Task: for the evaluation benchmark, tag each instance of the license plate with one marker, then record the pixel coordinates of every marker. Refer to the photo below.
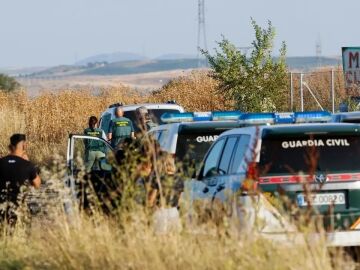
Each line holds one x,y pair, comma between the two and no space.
321,199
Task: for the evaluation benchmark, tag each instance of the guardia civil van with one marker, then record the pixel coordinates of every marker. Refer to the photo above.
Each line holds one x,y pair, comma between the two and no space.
297,155
188,136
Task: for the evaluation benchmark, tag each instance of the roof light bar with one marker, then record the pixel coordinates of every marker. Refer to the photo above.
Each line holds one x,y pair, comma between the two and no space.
249,118
226,115
177,117
257,118
312,117
200,116
285,118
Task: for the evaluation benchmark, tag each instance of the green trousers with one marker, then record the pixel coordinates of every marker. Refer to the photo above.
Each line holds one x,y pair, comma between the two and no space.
93,157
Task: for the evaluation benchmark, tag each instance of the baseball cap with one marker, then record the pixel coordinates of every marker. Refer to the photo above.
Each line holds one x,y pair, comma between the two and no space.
16,138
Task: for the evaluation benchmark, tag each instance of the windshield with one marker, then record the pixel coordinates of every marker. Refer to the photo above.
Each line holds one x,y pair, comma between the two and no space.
316,153
154,113
191,148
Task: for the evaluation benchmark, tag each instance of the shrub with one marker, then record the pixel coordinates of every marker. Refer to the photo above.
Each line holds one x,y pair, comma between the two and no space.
8,84
257,83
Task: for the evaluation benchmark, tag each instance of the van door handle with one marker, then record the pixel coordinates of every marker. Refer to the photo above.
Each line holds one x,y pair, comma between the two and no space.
220,187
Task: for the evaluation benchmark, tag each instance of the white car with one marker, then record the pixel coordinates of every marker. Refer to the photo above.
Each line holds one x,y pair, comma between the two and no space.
155,111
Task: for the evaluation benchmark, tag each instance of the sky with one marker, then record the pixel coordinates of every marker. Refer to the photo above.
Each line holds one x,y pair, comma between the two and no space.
52,32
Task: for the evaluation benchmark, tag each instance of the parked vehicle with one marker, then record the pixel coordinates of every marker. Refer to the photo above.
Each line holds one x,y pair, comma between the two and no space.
155,111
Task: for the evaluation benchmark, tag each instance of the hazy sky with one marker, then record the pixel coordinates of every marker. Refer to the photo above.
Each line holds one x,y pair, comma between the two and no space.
50,32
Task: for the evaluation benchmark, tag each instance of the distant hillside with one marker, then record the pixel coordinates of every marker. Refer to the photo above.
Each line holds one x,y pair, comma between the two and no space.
306,63
111,58
175,56
132,67
146,66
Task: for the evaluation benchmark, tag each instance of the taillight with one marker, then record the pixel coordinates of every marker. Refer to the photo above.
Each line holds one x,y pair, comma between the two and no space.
249,185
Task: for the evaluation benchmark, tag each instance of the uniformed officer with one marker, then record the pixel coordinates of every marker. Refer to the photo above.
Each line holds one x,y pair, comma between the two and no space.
120,128
94,149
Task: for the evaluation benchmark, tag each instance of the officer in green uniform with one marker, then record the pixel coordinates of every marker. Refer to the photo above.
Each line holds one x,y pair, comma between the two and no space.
120,128
94,149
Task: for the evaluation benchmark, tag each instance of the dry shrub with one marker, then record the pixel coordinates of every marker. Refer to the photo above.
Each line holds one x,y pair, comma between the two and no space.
319,82
196,92
48,118
106,244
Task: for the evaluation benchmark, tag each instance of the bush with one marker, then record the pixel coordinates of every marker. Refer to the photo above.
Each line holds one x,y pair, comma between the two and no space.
8,84
196,92
257,83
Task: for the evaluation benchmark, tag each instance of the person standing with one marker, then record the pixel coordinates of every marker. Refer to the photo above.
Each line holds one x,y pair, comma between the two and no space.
16,173
145,122
120,129
94,149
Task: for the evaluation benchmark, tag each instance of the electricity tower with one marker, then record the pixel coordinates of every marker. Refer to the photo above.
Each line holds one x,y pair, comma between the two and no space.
201,38
318,50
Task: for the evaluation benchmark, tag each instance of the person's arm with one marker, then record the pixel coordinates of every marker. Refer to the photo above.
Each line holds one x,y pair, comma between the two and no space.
132,130
34,177
25,156
36,182
109,136
103,135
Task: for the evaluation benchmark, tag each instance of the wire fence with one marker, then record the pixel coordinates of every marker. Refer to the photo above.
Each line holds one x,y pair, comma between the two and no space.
317,90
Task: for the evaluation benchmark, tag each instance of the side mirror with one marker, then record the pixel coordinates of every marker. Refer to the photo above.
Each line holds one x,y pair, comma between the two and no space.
212,172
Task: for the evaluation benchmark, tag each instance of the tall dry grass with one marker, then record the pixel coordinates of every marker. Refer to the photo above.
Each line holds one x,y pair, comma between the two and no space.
196,92
47,119
84,245
75,241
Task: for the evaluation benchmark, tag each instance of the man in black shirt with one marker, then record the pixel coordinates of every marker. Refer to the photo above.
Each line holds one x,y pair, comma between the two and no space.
16,172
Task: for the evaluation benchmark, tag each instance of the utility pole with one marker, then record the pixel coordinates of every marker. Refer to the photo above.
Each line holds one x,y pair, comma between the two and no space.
201,38
318,50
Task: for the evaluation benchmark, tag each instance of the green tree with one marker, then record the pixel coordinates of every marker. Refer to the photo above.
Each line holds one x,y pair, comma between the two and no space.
255,83
8,84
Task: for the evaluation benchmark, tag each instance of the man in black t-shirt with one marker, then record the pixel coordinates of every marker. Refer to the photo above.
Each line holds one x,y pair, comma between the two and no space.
16,172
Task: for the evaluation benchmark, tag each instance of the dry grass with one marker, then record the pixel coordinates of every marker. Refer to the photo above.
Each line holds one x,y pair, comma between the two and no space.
47,119
83,245
129,242
196,92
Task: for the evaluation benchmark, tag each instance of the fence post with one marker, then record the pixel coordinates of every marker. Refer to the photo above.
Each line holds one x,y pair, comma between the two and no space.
332,90
301,92
291,92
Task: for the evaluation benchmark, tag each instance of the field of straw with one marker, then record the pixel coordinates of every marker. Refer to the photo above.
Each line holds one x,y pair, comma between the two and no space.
128,240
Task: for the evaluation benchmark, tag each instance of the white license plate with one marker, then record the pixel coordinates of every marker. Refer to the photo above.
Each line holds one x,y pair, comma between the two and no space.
321,199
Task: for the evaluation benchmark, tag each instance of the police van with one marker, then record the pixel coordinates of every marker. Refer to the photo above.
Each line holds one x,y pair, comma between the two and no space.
155,111
346,117
289,155
188,136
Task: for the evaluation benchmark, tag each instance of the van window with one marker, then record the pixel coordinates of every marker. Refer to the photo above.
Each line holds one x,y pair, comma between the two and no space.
154,113
192,146
105,122
162,137
323,153
211,162
226,155
239,155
